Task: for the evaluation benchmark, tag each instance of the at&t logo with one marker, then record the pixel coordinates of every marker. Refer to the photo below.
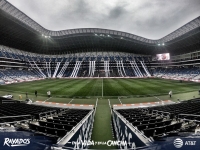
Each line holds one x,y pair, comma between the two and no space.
178,143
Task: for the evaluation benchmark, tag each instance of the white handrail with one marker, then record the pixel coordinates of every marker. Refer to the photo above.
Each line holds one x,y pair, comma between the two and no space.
56,70
123,68
39,69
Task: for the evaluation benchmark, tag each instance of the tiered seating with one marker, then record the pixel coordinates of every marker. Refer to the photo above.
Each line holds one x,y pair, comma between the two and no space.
14,109
129,72
5,78
1,82
13,119
68,72
160,130
178,73
58,126
11,116
150,124
38,64
166,119
48,131
13,75
49,121
191,107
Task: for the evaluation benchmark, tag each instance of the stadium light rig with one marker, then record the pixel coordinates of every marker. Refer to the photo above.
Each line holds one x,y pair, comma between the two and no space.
46,36
161,44
103,35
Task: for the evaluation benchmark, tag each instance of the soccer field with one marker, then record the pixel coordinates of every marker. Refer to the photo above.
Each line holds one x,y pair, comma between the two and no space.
88,91
82,88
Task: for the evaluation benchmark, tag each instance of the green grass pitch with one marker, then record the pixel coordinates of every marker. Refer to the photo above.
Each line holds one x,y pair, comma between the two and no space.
69,88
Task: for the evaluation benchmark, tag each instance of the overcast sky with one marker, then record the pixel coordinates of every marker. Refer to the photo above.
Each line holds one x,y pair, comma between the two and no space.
151,19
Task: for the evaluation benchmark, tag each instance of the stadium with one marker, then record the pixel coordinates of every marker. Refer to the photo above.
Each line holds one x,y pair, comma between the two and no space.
96,88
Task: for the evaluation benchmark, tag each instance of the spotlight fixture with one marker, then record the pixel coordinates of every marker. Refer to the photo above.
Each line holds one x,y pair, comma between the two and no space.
46,36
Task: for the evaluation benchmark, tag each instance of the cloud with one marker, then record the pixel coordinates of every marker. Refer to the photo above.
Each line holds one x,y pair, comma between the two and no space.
151,19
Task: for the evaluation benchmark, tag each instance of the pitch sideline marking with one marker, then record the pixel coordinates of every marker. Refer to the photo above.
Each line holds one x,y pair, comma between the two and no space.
102,87
47,99
157,98
96,105
110,106
119,100
71,101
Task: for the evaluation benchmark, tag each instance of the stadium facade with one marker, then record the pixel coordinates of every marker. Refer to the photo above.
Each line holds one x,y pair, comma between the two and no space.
90,52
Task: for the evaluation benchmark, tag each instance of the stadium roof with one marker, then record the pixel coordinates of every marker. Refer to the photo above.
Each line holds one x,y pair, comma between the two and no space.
152,19
19,31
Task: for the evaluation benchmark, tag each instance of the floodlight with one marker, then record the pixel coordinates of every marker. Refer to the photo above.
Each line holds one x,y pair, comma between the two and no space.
158,44
163,44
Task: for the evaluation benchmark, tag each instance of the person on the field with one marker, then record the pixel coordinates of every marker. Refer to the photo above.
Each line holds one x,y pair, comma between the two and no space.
35,93
199,92
49,94
170,94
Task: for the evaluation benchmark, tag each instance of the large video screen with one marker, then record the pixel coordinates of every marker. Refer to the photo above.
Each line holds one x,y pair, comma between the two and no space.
164,56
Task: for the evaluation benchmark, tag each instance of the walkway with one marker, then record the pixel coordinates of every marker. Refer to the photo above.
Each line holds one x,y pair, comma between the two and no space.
102,125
